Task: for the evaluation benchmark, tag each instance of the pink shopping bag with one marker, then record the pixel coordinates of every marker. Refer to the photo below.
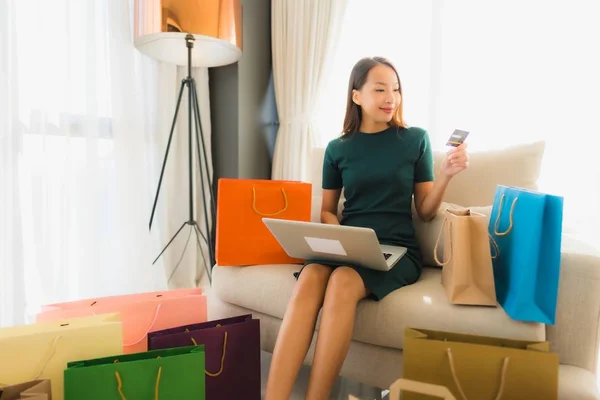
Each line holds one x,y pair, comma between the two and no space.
140,313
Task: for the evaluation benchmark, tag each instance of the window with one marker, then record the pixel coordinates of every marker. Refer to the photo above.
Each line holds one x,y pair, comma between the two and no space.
510,72
381,28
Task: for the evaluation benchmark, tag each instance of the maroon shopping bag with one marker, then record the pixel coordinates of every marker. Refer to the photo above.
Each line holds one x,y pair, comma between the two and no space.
232,351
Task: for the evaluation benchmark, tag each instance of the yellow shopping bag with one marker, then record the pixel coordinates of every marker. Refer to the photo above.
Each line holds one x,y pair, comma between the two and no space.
42,350
476,367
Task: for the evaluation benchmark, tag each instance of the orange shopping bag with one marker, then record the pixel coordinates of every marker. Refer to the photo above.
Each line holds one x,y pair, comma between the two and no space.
242,237
140,313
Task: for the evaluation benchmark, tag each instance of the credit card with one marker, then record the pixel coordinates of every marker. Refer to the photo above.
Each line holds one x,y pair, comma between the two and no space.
457,138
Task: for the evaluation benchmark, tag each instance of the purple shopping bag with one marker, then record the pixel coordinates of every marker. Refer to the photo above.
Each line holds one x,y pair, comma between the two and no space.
232,348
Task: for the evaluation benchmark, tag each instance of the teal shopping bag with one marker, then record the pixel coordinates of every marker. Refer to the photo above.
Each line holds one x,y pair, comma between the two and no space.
154,375
527,228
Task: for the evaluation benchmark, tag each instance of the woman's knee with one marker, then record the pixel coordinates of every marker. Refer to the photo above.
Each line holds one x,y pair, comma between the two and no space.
346,286
313,281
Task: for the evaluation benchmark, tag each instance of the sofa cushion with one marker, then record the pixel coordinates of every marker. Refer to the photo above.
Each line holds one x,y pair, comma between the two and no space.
267,289
577,384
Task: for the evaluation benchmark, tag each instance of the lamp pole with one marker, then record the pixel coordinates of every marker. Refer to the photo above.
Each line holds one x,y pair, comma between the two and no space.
193,119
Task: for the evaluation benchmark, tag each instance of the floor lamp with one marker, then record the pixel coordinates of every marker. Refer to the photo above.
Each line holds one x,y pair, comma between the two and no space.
200,33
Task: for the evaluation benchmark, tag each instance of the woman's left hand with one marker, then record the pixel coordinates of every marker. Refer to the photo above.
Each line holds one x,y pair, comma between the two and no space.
455,161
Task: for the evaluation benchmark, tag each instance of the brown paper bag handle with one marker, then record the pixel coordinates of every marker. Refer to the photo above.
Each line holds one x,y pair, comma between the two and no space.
419,387
510,217
437,243
285,206
215,374
457,382
120,383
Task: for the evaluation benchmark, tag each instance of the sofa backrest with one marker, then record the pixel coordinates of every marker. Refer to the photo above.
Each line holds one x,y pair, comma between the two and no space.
518,166
474,188
512,166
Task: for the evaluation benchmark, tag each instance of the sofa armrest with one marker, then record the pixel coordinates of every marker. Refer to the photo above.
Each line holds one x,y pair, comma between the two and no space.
576,334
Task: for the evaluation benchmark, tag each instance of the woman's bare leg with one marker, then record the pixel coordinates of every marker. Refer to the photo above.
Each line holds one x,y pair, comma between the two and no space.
344,290
297,329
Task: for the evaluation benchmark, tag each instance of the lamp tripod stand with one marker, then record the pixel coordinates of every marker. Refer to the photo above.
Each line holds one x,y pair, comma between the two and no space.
193,119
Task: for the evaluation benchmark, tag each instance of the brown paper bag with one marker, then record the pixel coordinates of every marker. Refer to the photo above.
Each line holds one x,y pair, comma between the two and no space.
479,367
406,385
467,271
33,390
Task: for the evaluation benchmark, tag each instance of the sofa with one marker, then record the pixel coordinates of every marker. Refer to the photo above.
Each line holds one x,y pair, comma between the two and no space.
375,354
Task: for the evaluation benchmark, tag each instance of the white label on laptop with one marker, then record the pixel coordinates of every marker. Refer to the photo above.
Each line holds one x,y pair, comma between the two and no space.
329,246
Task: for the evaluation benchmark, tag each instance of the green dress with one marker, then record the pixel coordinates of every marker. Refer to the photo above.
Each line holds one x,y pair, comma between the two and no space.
378,172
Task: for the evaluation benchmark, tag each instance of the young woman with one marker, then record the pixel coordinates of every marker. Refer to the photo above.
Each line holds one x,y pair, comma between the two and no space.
380,163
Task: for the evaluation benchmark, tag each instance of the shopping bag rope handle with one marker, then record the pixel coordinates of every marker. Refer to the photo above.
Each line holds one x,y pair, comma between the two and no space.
222,354
495,246
120,383
45,364
437,243
510,217
459,387
285,206
147,330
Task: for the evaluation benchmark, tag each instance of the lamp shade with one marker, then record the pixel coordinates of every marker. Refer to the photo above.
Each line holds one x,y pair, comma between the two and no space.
161,26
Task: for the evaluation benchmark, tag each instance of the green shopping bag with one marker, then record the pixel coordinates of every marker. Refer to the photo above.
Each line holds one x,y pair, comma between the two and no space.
154,375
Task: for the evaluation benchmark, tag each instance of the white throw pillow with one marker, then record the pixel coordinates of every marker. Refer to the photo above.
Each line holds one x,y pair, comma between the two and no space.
518,166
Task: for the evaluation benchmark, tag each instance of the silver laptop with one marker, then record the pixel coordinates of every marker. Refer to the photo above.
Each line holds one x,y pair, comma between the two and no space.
334,243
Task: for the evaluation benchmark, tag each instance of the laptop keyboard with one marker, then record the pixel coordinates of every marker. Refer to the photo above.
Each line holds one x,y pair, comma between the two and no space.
387,255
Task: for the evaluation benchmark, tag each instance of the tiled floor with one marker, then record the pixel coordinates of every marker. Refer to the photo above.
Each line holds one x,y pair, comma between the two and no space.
343,387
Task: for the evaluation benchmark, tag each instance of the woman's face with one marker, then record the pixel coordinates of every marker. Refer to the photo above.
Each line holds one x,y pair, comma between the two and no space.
380,95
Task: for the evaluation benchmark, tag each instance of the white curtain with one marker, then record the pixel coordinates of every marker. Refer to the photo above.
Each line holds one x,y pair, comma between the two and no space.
304,37
511,72
84,119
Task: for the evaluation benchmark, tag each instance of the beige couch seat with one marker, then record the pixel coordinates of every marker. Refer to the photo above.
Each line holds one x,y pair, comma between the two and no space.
268,288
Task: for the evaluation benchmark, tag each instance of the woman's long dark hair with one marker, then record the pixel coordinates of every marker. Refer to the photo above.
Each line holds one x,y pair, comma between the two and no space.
358,77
